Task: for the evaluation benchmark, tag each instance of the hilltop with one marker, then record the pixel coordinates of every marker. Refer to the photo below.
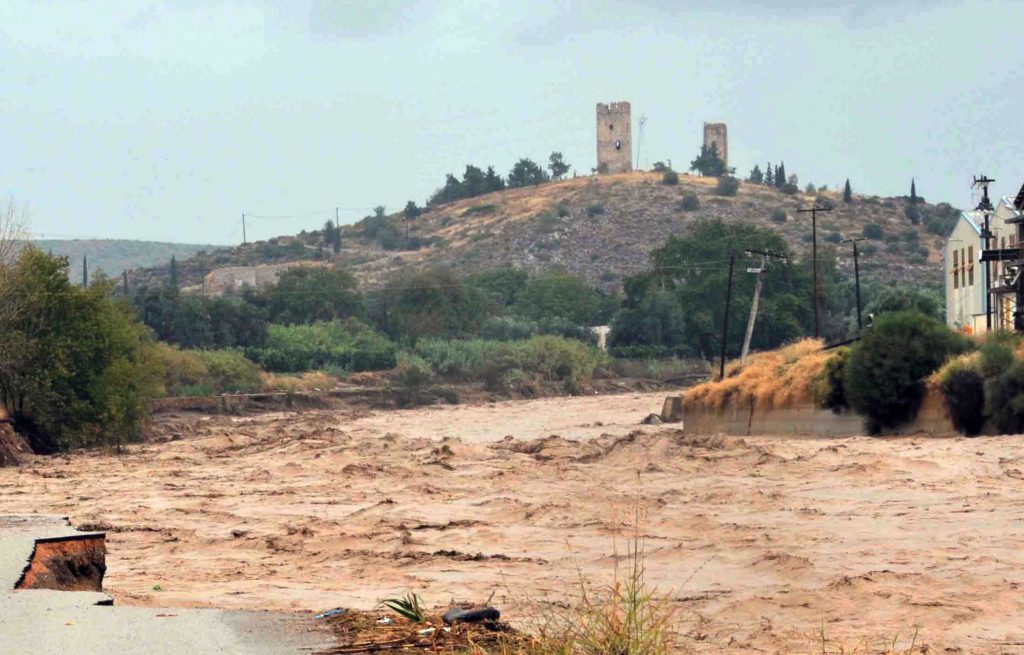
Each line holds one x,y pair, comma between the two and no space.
600,227
111,256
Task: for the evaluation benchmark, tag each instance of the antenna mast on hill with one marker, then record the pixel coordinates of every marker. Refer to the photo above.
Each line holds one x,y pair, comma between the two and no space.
640,139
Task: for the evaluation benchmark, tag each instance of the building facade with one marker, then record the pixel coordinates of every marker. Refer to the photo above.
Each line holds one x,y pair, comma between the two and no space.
614,138
967,279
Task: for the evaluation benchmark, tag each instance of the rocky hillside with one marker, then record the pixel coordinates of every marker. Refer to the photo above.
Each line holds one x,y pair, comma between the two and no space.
604,228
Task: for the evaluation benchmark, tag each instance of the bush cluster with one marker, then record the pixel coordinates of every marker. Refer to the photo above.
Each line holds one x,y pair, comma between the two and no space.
339,345
549,358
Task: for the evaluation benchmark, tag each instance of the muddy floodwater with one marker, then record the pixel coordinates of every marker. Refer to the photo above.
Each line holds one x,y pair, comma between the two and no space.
762,544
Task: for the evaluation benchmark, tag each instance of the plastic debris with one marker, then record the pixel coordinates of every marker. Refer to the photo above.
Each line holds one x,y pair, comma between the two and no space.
337,611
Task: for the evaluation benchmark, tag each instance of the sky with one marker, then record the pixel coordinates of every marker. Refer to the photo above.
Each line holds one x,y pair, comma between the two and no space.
169,120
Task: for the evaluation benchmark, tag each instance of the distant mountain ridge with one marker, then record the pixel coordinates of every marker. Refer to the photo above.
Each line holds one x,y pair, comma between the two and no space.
112,256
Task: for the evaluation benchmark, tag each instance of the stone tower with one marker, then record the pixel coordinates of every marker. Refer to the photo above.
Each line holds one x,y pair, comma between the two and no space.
614,138
717,134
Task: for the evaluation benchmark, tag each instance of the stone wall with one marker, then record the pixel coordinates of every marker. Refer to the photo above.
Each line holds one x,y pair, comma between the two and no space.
802,419
614,138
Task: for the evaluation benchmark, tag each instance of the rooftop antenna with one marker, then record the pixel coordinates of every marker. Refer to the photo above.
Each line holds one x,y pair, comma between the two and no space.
640,138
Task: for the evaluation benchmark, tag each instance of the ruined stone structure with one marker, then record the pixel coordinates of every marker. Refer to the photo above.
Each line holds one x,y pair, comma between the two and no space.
716,133
614,138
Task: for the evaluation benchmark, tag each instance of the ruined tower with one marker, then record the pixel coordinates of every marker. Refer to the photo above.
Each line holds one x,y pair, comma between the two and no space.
614,138
717,134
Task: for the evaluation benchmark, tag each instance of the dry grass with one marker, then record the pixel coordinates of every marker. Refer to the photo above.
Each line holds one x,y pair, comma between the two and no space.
311,381
777,378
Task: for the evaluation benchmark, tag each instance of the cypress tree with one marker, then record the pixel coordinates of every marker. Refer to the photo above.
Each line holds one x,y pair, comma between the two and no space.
174,274
847,192
769,176
780,175
85,271
913,192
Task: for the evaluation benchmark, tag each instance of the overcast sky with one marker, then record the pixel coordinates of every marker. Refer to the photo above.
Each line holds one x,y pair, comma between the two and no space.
167,121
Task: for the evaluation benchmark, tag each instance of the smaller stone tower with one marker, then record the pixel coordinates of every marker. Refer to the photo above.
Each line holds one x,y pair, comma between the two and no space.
614,138
717,134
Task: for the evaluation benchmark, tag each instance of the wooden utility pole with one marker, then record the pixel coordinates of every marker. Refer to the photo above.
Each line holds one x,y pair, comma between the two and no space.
765,255
725,321
814,256
856,277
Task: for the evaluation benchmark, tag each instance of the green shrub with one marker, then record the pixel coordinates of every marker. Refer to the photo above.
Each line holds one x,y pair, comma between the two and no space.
884,376
995,358
779,216
1004,399
689,202
550,358
595,210
562,211
670,177
913,214
727,186
476,210
873,231
829,388
963,390
833,237
229,371
206,372
348,345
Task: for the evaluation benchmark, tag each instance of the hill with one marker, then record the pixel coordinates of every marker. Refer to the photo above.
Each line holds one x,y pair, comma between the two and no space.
600,227
111,256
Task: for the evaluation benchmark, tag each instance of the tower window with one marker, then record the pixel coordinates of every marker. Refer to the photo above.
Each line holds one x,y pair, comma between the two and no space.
611,127
618,144
956,269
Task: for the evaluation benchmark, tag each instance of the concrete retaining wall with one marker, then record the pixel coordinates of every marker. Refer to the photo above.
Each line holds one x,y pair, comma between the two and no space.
802,419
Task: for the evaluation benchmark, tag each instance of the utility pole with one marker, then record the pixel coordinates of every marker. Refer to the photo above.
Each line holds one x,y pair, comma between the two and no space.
814,255
725,322
85,271
124,279
856,277
985,207
765,255
243,229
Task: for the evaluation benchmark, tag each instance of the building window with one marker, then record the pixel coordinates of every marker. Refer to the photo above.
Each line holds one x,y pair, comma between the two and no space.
970,265
956,269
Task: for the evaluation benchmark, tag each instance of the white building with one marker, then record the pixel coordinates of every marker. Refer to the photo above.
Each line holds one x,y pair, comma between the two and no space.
966,300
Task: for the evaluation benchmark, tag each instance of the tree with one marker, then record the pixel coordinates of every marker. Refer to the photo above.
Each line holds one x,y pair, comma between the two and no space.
708,163
913,192
756,176
493,181
85,270
411,211
431,303
886,369
557,165
473,182
884,298
656,320
780,175
76,367
305,294
173,283
847,192
526,172
769,175
558,296
694,268
332,235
